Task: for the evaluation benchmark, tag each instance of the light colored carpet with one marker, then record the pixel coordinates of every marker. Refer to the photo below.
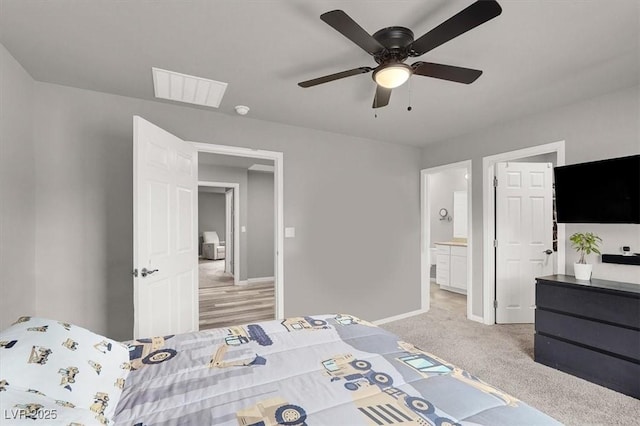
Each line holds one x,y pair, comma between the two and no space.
503,356
211,274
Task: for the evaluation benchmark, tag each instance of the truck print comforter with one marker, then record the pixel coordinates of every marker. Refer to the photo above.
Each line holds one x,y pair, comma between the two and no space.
320,370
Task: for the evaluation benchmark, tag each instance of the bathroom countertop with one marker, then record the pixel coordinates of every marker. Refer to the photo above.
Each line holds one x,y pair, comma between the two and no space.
451,243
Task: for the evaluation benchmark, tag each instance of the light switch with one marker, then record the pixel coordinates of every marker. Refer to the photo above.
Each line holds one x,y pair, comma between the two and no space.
289,232
243,229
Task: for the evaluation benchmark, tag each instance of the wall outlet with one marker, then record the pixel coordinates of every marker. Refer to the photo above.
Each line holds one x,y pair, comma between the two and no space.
290,232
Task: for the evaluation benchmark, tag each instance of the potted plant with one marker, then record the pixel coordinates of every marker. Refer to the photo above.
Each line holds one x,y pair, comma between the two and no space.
585,244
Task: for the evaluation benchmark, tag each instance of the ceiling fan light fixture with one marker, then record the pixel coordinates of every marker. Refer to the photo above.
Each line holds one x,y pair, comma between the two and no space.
392,75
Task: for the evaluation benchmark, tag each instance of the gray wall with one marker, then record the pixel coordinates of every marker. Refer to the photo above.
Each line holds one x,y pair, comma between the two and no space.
339,191
256,214
17,192
210,173
604,127
441,188
212,213
260,225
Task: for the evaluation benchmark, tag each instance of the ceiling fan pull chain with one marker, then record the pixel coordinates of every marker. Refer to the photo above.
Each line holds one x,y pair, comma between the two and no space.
409,88
375,103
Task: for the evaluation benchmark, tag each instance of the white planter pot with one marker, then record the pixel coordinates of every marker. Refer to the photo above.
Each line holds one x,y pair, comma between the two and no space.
582,271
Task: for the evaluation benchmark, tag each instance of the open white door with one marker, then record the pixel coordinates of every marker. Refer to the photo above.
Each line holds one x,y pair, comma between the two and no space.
524,235
228,264
165,249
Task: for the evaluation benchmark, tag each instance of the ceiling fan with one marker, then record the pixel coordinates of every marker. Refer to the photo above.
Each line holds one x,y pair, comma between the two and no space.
391,46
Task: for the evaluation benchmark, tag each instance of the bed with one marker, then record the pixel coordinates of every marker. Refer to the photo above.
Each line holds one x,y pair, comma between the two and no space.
319,370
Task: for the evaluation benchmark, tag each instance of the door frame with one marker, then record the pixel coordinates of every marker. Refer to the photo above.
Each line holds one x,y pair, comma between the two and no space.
425,235
278,176
229,261
489,214
236,221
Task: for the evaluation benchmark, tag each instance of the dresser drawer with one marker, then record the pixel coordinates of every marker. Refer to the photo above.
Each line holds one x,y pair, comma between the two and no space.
589,303
597,367
606,337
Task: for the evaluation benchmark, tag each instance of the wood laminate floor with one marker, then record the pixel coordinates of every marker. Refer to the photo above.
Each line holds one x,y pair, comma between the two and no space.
448,300
223,306
236,304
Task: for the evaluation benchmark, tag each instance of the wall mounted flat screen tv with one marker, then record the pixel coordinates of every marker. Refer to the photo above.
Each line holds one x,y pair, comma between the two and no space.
606,191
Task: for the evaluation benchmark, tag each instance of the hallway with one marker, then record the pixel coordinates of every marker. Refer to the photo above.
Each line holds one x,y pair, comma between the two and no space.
221,303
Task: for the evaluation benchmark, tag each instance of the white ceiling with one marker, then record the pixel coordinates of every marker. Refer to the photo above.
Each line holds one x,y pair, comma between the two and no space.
537,55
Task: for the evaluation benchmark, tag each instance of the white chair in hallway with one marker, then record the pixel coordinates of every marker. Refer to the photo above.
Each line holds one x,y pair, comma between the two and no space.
212,247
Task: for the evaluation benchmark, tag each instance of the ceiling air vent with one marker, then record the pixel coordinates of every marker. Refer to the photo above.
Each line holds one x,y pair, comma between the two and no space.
187,88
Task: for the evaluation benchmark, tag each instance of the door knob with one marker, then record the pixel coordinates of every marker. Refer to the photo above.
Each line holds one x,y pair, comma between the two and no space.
547,252
146,272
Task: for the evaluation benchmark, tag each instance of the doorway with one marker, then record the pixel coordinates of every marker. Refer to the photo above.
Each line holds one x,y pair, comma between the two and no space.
548,153
446,237
218,223
165,231
236,267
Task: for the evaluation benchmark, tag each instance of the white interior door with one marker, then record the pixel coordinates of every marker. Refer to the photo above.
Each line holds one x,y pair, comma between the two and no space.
165,253
228,264
524,235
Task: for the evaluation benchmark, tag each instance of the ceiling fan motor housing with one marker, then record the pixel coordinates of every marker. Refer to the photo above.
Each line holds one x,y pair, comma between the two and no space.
397,42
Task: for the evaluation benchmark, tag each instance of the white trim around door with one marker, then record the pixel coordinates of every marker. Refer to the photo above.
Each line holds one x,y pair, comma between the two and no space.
278,177
425,235
488,219
236,223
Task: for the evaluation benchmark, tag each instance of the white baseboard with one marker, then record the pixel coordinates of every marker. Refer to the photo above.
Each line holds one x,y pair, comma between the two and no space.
260,280
453,289
476,318
401,316
256,280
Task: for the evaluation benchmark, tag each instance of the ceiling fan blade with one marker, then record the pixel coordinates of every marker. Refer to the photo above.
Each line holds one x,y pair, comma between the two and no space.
476,14
446,72
336,76
349,28
381,97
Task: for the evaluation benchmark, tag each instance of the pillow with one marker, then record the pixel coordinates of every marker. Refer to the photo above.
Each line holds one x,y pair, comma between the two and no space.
23,407
64,362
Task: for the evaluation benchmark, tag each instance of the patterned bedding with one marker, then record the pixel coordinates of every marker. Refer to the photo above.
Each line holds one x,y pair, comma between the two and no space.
321,370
